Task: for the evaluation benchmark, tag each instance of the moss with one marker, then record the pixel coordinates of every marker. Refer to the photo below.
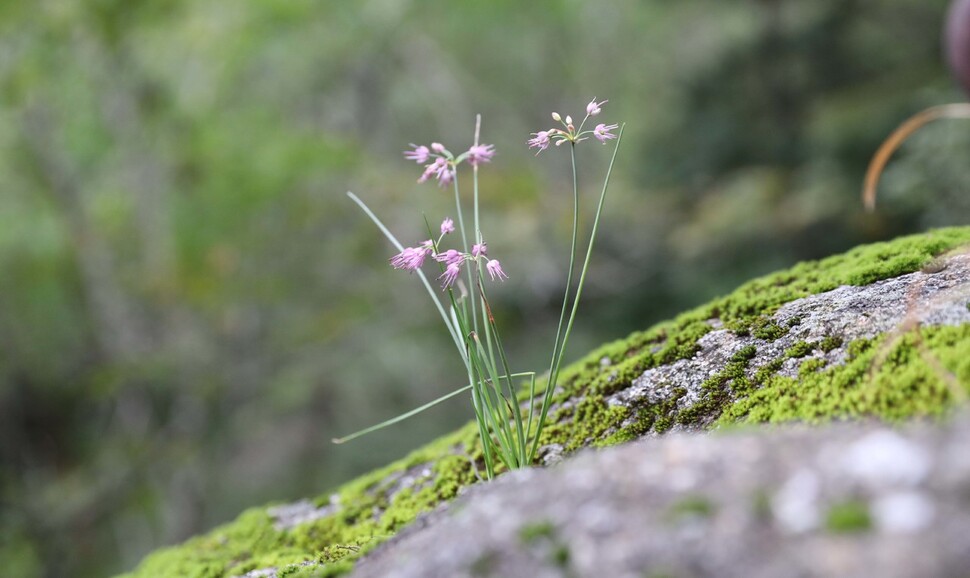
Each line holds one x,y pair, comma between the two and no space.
663,424
584,423
485,564
544,534
810,366
744,354
316,571
531,533
692,507
830,343
767,370
858,347
761,505
800,349
560,555
373,509
848,517
766,328
900,386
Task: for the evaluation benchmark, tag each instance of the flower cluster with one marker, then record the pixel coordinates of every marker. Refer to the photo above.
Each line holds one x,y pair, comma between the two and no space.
412,258
441,164
508,438
569,133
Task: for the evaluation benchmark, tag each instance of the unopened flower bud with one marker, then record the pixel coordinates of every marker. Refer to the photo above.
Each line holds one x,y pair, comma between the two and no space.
556,117
437,147
569,120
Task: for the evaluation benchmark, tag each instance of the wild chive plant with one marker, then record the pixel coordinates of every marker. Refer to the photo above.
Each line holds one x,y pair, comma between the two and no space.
508,437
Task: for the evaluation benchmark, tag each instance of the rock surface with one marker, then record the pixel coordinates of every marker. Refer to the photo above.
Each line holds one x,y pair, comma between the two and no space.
848,500
882,330
937,295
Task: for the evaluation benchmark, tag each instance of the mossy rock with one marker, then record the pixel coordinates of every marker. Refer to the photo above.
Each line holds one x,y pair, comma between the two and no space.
794,345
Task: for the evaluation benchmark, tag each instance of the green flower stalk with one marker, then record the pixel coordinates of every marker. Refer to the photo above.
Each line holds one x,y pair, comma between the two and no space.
508,437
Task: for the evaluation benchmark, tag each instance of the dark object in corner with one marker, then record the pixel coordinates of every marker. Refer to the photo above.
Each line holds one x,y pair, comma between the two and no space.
958,42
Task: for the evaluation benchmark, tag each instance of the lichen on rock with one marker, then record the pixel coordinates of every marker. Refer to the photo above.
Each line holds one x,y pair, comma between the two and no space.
840,337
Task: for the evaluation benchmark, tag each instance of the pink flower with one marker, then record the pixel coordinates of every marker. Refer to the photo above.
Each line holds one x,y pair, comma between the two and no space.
480,249
447,226
434,168
445,176
495,270
480,154
450,257
412,258
420,154
438,147
540,141
593,108
602,132
451,273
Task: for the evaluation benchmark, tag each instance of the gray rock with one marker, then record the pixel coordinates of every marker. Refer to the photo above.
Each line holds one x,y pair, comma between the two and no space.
846,500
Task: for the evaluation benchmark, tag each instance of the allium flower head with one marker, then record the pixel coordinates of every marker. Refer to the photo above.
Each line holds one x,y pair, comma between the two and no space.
412,258
450,257
593,108
495,270
447,226
446,176
540,140
433,169
451,273
420,154
480,249
478,154
602,132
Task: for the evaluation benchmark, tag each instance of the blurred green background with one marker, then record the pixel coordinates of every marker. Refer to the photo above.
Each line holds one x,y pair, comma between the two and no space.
190,307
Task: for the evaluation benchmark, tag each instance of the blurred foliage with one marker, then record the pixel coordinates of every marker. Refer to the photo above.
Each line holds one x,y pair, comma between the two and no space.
190,308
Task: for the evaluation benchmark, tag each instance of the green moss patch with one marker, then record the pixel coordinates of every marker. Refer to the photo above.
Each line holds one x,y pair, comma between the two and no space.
848,518
892,380
694,506
893,377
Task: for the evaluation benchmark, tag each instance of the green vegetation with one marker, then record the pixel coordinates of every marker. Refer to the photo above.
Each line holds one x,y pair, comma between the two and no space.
800,349
544,533
829,343
848,517
902,386
692,507
533,532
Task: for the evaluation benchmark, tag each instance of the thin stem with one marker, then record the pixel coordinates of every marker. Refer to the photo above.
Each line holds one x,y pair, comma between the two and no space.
466,249
501,420
569,282
478,128
516,409
482,429
434,296
478,380
554,371
477,233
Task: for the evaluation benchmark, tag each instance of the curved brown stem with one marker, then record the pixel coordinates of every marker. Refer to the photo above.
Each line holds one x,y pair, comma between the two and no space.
889,146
